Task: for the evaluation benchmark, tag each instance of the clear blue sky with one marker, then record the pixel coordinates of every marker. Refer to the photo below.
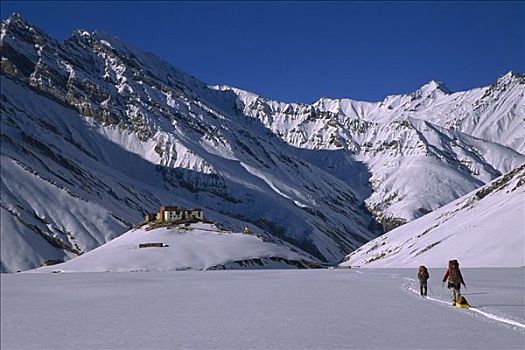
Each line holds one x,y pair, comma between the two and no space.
300,51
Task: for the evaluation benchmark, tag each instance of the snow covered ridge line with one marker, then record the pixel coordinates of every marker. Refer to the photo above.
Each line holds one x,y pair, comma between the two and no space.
442,135
101,132
482,229
466,111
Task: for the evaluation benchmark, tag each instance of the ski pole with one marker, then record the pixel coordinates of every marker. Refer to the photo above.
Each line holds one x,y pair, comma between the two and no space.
431,291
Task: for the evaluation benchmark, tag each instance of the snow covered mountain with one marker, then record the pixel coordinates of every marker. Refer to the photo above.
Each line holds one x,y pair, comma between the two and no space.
95,133
457,141
194,247
486,228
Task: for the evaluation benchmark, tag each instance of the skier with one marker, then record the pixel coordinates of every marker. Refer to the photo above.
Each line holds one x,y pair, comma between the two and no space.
423,276
455,280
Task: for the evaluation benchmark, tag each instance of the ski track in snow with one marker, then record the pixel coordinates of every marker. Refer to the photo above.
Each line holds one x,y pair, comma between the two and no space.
488,315
483,313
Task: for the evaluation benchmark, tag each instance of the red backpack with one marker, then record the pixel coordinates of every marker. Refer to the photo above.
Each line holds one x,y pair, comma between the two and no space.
423,273
454,276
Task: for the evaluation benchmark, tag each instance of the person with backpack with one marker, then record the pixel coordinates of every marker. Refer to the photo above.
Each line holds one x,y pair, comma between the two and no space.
423,276
455,280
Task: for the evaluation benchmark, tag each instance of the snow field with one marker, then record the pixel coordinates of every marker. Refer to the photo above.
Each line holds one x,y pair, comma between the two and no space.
277,309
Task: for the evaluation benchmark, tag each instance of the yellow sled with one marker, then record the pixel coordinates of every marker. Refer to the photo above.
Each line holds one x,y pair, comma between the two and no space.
462,303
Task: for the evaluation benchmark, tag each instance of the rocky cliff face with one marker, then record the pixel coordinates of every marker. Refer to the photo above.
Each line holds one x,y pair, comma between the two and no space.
95,133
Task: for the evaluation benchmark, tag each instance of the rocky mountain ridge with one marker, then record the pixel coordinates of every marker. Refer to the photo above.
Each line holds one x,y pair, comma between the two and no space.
477,134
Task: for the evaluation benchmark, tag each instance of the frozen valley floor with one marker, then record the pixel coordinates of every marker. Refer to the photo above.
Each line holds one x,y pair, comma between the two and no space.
264,309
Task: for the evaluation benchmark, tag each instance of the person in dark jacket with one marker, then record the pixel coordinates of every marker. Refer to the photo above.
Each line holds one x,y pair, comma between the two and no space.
455,280
422,276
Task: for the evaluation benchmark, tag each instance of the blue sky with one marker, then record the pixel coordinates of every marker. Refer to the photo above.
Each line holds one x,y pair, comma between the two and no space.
300,51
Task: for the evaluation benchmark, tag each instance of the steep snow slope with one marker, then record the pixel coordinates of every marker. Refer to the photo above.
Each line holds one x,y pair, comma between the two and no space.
486,228
194,247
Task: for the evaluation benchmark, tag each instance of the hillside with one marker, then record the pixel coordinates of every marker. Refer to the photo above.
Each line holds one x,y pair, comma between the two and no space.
194,247
486,228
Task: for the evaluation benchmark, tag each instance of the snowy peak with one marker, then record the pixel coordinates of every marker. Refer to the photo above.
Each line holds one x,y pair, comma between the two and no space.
16,26
434,87
429,129
511,77
16,20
